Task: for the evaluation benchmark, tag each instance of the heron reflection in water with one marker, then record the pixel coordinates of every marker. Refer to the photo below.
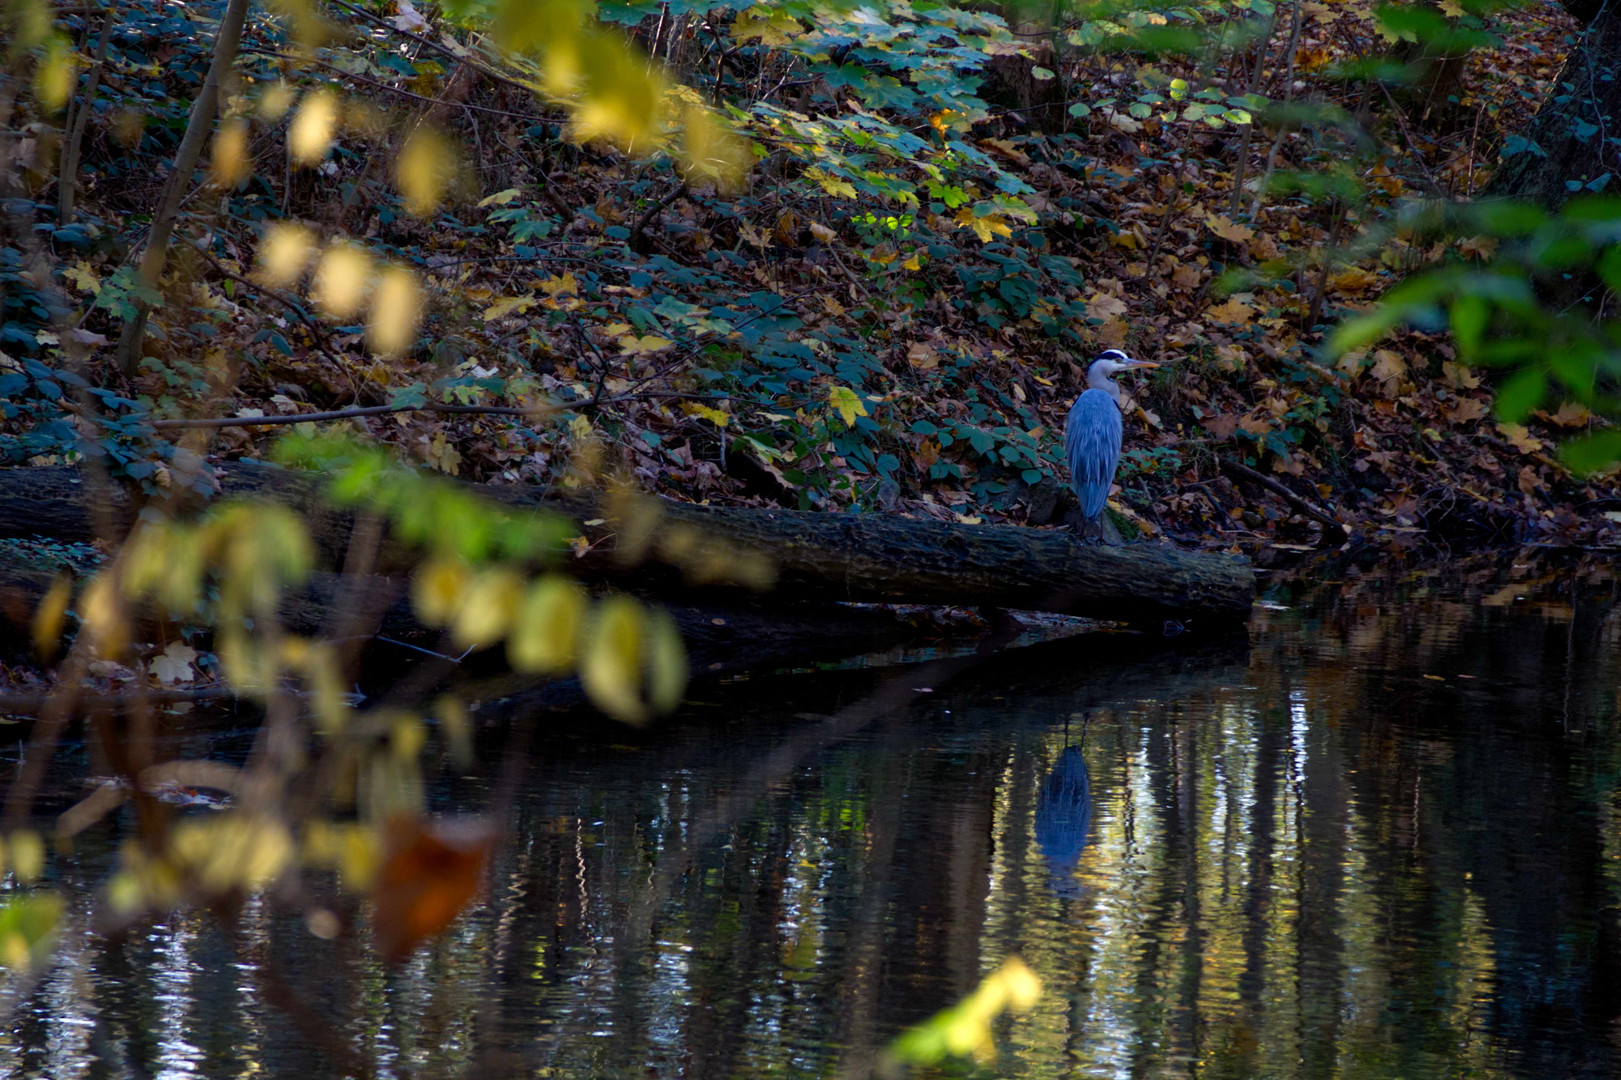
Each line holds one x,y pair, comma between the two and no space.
1064,820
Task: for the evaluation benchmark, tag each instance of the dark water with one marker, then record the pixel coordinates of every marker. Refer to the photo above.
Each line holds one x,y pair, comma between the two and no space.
1381,840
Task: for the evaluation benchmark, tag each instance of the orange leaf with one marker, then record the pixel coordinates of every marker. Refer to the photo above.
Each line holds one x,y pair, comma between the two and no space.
430,871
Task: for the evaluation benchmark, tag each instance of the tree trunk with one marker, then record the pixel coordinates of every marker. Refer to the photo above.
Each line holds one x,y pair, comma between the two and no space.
198,127
813,558
1574,136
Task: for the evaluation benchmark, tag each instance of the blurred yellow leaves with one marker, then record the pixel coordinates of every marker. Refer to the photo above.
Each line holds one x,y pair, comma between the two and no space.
342,280
230,163
396,312
345,277
28,924
712,150
546,626
423,170
965,1029
205,858
56,73
24,853
314,125
49,616
632,661
767,25
615,94
284,254
484,610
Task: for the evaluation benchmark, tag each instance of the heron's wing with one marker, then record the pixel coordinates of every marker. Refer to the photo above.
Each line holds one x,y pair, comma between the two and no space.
1092,445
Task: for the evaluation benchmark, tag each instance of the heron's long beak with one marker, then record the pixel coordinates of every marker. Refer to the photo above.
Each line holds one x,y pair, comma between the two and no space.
1145,363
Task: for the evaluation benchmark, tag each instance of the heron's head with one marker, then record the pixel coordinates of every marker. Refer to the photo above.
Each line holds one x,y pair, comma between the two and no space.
1111,362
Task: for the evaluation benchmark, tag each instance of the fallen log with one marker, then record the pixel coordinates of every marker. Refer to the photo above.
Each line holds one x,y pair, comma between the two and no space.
814,557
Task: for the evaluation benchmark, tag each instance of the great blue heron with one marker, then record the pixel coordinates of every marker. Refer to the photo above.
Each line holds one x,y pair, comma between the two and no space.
1092,432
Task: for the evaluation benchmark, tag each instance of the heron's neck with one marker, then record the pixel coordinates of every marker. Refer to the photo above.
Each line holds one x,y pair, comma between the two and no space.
1097,380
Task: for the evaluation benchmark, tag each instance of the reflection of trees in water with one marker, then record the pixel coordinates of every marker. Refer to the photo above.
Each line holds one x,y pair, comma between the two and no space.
1311,862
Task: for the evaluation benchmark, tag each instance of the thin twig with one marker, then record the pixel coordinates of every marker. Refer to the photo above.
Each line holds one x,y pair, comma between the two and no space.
634,240
1316,514
432,407
309,321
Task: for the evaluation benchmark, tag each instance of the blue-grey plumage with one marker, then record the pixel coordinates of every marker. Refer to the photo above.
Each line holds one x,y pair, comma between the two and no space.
1093,432
1092,438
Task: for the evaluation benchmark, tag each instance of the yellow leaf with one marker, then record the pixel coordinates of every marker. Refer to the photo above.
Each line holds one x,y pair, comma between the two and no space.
83,277
631,345
712,149
770,27
846,403
1352,280
823,233
423,169
718,417
341,280
546,627
284,253
485,609
49,615
56,74
395,313
666,657
611,660
500,198
309,136
443,456
1229,230
561,285
437,589
1233,311
914,261
230,163
277,98
831,184
27,852
103,616
1520,437
987,227
508,305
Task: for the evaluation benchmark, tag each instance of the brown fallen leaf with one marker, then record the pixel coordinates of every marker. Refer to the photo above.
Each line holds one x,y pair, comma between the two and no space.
922,356
1229,230
1466,410
430,871
1523,440
1233,311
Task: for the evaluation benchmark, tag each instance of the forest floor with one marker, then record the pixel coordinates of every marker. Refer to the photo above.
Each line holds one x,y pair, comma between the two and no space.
780,347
